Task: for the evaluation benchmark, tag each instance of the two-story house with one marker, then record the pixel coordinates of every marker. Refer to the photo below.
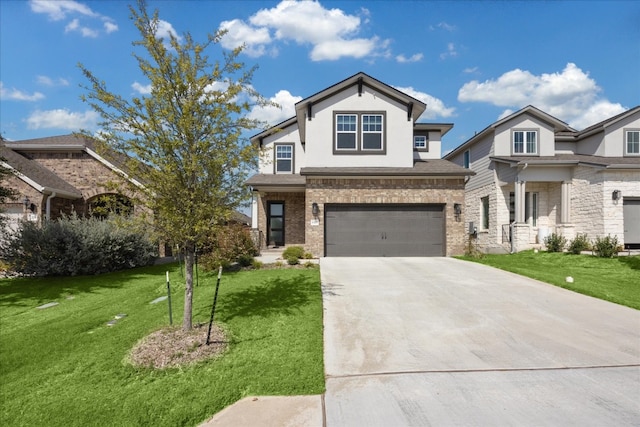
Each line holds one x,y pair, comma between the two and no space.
355,174
535,175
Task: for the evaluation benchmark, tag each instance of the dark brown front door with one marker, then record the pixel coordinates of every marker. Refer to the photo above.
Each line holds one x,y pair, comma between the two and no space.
275,223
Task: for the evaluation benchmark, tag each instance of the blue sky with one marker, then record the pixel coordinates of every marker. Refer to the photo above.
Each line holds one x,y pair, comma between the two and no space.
471,62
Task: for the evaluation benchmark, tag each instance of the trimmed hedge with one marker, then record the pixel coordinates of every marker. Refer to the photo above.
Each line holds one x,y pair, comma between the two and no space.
76,246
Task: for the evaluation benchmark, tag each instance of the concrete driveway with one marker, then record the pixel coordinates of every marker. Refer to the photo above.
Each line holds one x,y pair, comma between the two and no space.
438,341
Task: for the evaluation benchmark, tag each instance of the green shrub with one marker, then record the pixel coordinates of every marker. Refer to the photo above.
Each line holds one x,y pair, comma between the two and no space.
293,251
73,246
257,265
606,247
292,260
308,255
245,260
555,242
579,244
310,264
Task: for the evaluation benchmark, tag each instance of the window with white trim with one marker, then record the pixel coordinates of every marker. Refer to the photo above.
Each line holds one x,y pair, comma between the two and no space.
346,132
284,158
632,146
420,142
372,132
525,142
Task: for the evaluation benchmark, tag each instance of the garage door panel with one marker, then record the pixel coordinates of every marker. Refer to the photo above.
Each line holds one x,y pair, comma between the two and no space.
384,230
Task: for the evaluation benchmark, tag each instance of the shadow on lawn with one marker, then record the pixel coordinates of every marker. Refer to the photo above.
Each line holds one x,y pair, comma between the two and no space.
34,291
271,297
632,261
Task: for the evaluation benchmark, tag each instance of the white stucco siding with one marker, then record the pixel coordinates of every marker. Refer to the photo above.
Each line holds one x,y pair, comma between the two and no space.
615,138
593,145
398,131
546,136
288,135
435,147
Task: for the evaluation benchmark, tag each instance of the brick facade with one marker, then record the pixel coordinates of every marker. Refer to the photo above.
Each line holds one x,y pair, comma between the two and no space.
294,203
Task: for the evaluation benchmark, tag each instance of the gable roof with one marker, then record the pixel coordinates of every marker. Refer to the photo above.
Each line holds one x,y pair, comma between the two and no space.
600,126
37,176
558,126
415,107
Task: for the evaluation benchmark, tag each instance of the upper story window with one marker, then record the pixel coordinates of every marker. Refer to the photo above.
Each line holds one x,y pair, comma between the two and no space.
466,159
632,146
525,142
346,131
359,132
284,158
420,143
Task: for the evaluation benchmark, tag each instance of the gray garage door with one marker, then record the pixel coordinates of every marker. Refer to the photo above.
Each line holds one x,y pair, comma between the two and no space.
631,211
384,230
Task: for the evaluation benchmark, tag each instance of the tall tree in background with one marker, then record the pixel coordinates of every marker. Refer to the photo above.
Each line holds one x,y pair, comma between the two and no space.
184,139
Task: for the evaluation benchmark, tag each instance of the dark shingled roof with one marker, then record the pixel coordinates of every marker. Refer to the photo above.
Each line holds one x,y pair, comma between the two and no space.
280,180
567,159
39,174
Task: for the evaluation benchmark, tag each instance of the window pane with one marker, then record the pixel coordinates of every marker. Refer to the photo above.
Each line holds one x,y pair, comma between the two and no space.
346,141
346,123
276,223
284,151
467,159
276,209
283,165
534,207
485,212
420,141
531,143
372,141
633,142
518,142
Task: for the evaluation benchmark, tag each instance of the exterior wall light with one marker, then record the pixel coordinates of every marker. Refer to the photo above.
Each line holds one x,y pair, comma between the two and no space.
616,195
315,210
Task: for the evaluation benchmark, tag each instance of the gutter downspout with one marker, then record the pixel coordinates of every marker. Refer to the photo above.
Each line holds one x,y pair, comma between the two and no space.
48,208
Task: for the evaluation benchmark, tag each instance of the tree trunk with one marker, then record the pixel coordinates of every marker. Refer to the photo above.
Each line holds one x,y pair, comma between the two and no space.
188,290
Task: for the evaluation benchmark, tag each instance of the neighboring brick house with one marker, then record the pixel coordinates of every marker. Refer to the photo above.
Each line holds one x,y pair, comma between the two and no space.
355,174
55,176
535,172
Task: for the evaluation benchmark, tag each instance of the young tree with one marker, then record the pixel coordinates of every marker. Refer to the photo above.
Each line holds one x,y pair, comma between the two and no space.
184,140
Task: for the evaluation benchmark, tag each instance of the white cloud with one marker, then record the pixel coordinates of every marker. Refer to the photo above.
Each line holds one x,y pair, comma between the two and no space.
110,27
570,95
413,58
331,32
450,53
470,70
141,89
48,81
239,33
444,26
58,10
62,119
273,115
14,94
435,106
165,30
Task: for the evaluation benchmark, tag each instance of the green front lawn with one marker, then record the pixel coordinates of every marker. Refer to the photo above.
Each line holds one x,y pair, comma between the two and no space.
612,279
62,366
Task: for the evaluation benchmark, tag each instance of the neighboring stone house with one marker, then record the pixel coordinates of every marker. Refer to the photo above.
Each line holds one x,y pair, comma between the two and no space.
56,176
540,176
355,174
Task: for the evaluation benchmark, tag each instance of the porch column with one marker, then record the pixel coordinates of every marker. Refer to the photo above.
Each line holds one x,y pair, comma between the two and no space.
520,191
565,202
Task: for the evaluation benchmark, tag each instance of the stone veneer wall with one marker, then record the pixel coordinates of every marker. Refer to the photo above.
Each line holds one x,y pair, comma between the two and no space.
594,211
294,207
385,190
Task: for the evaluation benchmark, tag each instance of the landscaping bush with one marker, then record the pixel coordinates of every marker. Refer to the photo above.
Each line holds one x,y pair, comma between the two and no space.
606,247
579,244
73,246
227,245
293,251
555,242
292,260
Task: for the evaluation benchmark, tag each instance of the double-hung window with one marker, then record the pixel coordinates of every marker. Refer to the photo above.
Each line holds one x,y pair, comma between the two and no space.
525,142
360,132
372,132
346,132
632,146
420,142
284,158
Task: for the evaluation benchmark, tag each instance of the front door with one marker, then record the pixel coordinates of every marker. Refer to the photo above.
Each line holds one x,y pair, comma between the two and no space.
275,223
